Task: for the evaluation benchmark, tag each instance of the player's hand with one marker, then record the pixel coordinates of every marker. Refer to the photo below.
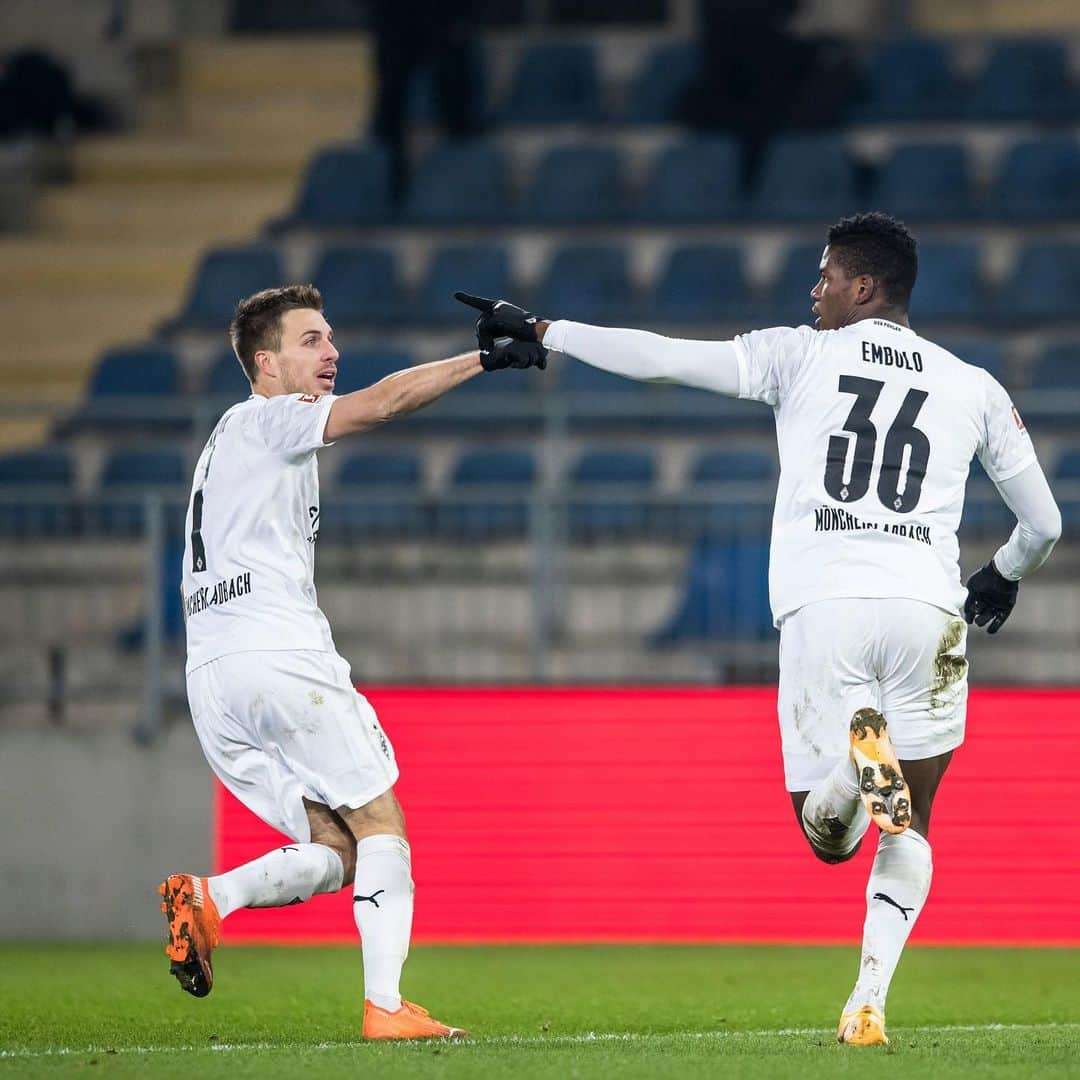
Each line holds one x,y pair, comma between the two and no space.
990,598
506,352
500,318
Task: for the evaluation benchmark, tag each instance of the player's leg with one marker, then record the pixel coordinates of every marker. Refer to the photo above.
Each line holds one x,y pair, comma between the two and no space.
383,909
293,873
896,891
825,679
924,694
232,699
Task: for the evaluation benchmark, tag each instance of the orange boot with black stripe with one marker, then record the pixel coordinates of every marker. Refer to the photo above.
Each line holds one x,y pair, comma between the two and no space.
194,931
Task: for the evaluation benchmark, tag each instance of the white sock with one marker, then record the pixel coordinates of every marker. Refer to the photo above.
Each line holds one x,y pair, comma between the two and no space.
834,815
383,907
286,875
895,894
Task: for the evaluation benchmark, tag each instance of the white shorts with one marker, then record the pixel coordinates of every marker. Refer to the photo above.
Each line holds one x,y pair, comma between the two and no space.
280,726
904,657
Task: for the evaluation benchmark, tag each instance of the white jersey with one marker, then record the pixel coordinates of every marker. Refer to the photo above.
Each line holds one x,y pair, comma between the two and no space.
876,429
252,522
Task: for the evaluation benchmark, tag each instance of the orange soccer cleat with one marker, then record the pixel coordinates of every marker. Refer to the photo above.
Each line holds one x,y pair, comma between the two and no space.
864,1027
408,1022
882,785
194,931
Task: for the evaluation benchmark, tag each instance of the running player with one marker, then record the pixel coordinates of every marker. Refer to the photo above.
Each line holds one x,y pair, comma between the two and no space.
273,705
876,427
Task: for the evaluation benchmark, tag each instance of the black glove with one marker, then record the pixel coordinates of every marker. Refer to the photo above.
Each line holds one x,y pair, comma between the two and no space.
990,598
505,352
500,318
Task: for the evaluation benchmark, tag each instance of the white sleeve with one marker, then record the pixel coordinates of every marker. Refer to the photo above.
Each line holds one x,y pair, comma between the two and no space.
1038,523
1005,448
770,360
293,424
638,354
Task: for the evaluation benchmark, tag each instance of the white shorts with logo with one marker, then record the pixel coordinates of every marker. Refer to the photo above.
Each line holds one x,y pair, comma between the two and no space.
904,657
277,727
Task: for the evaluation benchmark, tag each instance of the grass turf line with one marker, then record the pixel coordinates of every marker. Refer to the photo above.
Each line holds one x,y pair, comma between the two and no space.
588,1011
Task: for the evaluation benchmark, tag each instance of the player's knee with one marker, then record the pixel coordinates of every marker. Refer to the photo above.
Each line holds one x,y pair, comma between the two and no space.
345,851
834,855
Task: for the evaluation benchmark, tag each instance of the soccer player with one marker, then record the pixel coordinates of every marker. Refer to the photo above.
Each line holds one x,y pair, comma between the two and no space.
273,705
876,428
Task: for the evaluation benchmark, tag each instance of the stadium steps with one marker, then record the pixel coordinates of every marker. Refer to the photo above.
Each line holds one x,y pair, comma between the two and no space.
210,160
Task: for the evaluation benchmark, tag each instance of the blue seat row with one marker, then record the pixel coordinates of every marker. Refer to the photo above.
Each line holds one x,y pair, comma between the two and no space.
698,283
125,373
805,177
913,80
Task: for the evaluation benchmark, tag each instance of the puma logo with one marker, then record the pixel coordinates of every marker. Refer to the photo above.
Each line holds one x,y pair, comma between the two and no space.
889,900
357,899
290,848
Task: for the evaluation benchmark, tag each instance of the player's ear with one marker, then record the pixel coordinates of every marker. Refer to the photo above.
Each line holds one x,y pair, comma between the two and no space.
865,289
265,363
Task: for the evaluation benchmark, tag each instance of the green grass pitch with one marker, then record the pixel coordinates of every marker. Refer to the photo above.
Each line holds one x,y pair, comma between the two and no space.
587,1011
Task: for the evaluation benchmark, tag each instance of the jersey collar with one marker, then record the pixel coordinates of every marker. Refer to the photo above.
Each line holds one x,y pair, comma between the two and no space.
887,324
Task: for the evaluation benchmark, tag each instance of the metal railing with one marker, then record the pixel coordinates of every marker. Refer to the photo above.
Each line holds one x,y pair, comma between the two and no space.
541,586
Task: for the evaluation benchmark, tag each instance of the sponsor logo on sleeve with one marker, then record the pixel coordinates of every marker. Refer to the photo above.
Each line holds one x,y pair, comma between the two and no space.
1017,418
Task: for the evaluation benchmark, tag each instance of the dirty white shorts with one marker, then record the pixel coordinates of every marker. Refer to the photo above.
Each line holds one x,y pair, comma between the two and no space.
278,726
904,657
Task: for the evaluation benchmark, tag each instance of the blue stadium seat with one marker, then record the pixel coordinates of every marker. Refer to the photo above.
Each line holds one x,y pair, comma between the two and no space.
358,368
910,79
494,468
358,285
30,472
575,185
136,371
789,300
1057,367
594,511
590,284
225,378
1067,466
1044,284
925,180
983,352
725,595
482,270
506,475
459,183
716,467
554,83
143,469
950,285
225,276
149,373
1026,79
694,181
702,283
805,177
388,482
344,186
50,469
1039,180
660,83
398,469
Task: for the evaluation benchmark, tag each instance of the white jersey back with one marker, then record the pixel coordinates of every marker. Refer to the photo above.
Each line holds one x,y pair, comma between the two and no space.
252,522
876,428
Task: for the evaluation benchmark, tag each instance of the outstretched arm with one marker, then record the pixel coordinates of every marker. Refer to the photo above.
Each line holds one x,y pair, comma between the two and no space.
638,354
398,395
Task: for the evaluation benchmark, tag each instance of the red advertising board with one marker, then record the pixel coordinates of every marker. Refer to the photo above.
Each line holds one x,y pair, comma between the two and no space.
661,815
